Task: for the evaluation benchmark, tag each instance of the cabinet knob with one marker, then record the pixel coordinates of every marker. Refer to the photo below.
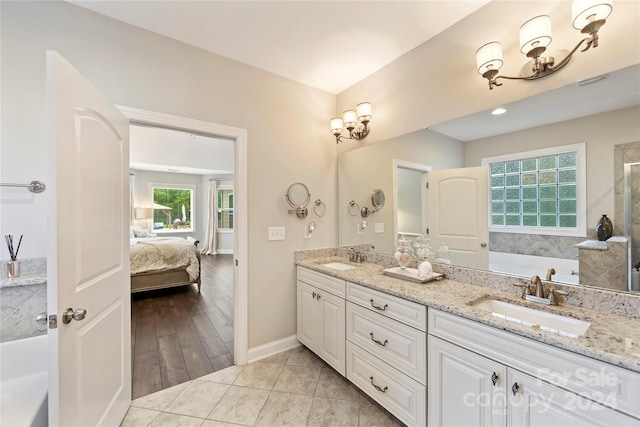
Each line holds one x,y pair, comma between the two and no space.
313,295
515,388
494,378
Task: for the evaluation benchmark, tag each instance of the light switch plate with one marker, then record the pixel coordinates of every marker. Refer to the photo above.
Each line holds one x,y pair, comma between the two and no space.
379,227
276,233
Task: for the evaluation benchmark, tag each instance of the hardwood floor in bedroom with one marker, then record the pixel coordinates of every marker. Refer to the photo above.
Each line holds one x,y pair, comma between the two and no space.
178,335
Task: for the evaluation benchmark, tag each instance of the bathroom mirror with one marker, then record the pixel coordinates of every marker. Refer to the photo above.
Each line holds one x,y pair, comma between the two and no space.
564,116
377,199
298,195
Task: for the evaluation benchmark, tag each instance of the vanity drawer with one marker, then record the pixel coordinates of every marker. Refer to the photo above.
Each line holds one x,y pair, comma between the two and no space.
402,396
322,281
599,381
400,345
407,312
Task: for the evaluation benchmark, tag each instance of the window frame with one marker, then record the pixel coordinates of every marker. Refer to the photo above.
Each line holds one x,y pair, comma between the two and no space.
581,191
232,210
191,189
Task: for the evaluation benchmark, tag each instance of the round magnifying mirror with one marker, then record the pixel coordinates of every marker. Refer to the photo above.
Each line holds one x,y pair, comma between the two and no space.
377,199
298,195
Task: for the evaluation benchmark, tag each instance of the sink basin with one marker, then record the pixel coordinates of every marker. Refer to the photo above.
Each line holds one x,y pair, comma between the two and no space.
550,322
339,266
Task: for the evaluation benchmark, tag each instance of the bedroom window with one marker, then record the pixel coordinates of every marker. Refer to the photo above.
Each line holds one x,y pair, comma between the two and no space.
173,208
538,192
225,209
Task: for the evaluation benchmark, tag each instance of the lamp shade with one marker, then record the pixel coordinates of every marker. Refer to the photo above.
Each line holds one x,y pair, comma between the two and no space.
364,111
336,126
489,57
536,32
584,12
350,119
143,213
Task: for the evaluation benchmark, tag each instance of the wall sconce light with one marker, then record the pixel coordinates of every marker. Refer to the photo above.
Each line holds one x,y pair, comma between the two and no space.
535,35
350,119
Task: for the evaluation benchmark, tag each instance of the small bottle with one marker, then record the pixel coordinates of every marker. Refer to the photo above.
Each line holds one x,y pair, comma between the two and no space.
425,269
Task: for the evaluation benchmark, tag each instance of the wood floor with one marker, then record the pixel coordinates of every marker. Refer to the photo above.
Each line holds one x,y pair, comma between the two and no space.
178,335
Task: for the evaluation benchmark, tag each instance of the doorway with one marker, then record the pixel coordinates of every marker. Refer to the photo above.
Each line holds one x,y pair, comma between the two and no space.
239,257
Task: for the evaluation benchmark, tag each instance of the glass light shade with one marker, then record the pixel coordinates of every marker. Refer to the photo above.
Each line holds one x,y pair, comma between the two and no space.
364,111
489,57
336,125
585,11
536,32
350,119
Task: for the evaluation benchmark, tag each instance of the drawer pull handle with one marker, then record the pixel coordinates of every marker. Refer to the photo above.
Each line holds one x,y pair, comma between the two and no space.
494,378
515,388
381,390
377,307
383,344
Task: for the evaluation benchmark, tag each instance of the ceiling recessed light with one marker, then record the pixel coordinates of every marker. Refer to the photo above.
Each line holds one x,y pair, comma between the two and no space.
498,111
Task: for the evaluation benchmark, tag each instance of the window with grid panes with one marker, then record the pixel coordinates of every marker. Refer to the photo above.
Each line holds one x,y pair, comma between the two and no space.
530,192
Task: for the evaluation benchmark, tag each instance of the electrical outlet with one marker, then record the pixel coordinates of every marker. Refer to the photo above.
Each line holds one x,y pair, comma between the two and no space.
276,233
379,227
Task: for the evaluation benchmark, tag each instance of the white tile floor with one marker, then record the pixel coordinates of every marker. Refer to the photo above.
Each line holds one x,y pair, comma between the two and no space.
293,388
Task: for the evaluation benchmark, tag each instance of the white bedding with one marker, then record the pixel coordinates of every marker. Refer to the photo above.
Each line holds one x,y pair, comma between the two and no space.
163,253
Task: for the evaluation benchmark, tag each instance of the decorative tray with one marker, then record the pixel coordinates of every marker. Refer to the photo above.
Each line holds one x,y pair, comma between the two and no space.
411,274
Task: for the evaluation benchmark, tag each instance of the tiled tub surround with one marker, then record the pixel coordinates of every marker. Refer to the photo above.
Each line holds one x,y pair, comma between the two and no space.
22,299
614,335
604,264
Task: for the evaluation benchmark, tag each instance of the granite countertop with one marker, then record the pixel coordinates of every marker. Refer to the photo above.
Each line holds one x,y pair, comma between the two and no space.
610,338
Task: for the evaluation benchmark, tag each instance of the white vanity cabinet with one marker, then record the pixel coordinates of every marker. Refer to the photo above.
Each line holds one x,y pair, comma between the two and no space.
479,375
321,316
386,351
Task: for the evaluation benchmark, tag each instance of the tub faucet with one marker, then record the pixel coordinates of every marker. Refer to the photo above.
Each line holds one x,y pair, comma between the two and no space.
550,273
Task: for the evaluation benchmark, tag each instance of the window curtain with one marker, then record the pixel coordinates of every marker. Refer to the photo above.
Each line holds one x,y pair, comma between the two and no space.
132,216
211,241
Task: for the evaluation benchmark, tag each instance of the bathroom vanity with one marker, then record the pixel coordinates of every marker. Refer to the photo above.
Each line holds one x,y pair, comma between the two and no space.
434,354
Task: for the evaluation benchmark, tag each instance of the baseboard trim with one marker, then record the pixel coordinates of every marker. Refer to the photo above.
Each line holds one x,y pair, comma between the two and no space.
265,350
225,251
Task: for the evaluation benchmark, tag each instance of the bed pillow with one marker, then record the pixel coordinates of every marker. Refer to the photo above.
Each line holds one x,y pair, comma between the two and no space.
131,234
138,232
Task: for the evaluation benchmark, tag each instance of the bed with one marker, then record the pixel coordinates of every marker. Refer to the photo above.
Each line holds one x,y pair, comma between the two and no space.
164,262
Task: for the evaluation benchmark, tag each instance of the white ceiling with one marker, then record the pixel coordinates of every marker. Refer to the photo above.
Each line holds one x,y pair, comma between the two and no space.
619,89
329,45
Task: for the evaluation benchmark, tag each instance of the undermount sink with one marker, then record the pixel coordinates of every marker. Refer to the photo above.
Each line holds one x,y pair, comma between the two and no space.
339,266
550,322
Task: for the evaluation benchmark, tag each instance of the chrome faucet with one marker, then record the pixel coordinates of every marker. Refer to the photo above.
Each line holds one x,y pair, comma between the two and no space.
354,255
550,273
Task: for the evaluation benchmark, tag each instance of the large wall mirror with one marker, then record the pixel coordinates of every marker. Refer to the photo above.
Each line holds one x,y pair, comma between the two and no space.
603,115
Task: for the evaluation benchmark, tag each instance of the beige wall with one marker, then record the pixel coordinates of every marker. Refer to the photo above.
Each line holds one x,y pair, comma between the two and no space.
438,81
288,140
600,133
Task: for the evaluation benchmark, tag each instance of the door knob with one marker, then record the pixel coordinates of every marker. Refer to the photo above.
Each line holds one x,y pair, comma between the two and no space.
69,314
483,245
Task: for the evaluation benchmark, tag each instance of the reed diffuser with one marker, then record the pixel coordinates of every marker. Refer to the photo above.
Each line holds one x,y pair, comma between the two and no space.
13,266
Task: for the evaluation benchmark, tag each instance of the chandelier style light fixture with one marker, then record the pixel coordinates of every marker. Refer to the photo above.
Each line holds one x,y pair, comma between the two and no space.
535,35
356,123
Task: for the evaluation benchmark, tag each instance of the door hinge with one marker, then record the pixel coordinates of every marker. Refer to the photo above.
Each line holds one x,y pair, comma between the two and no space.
236,263
427,230
427,185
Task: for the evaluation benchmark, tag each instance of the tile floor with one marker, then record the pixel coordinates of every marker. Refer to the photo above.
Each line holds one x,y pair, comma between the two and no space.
292,388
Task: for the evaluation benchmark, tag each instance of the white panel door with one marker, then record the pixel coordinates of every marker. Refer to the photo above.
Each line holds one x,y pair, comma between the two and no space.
88,251
465,389
459,216
331,320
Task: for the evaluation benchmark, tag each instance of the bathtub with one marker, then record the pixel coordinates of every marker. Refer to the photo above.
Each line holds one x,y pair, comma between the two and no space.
529,265
24,382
